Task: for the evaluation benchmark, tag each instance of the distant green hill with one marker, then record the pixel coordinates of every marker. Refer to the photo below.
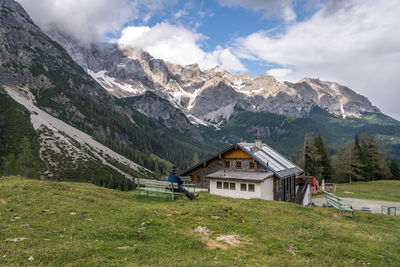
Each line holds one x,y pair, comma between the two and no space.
77,224
287,133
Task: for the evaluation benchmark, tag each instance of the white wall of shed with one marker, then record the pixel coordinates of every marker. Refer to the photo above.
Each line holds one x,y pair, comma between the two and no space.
267,189
237,193
307,196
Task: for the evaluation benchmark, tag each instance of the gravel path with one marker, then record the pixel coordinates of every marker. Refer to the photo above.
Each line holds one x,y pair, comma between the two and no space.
357,204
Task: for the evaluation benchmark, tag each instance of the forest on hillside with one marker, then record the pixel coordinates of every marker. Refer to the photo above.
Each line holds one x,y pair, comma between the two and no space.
361,159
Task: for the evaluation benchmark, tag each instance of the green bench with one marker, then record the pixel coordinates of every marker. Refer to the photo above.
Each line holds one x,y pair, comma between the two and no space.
158,188
334,201
187,183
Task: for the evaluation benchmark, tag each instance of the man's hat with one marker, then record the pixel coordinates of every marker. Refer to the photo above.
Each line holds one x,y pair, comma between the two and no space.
174,169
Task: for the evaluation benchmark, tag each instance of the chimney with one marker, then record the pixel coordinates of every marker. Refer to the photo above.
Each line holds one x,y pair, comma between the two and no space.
258,143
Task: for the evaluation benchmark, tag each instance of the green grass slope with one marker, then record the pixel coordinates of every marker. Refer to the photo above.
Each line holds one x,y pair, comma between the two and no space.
376,190
84,225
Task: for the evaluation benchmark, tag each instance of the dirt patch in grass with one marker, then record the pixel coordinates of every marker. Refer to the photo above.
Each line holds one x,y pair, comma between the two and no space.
360,262
203,231
232,240
222,241
292,249
213,244
171,212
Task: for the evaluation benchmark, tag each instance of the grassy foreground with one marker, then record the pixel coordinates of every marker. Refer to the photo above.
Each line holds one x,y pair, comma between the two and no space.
388,190
57,223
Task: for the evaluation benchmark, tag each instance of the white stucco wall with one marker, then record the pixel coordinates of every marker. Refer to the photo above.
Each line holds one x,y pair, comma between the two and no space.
267,189
261,190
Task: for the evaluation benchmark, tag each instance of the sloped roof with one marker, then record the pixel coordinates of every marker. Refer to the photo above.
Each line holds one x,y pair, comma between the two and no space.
267,157
240,175
271,160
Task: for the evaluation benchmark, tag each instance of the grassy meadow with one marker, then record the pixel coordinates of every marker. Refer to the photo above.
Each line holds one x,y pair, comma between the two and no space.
388,190
79,224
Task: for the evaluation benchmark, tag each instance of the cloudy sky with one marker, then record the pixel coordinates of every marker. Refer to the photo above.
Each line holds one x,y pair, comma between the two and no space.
356,43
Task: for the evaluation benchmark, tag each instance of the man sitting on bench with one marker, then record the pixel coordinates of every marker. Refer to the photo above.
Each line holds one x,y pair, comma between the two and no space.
174,178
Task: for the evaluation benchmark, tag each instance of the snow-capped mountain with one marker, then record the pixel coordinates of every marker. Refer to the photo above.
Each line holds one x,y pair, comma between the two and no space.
209,96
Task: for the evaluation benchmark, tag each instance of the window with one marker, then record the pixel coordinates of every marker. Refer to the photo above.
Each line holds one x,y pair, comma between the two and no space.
251,187
227,164
238,164
226,185
219,185
232,186
252,165
243,187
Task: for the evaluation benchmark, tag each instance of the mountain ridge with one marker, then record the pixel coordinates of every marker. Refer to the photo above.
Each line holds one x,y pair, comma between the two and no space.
131,72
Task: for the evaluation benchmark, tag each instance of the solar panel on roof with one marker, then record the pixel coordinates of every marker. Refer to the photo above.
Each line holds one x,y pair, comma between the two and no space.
282,160
278,163
271,162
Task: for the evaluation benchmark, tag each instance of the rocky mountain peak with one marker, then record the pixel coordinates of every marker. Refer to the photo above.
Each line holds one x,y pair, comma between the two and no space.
126,71
13,6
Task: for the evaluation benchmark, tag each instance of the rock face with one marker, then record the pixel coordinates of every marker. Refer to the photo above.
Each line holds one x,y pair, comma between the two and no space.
161,110
209,96
28,56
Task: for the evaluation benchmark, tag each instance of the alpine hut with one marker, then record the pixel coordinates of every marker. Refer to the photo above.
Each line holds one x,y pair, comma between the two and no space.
250,170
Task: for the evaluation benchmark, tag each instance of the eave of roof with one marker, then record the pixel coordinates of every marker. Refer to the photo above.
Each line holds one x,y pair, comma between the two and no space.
240,175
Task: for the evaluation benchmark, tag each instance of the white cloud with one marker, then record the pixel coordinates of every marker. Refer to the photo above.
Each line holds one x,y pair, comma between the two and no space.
356,44
280,74
88,20
282,8
178,45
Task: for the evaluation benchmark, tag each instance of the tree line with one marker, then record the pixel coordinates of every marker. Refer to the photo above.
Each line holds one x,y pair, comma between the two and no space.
361,159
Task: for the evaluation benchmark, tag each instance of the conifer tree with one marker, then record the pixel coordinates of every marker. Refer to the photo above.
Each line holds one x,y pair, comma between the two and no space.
365,158
347,163
311,158
357,166
394,169
324,158
375,165
342,164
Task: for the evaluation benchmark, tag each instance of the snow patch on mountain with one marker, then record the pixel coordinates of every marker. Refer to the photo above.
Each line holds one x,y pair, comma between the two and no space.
110,84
